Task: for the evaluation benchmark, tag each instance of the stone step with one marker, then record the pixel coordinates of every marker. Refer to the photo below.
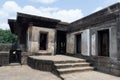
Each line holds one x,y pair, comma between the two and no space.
67,65
70,61
14,64
74,69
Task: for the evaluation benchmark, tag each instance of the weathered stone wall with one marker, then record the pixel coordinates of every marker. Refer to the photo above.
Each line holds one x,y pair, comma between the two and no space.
118,37
5,47
109,64
71,42
4,54
85,42
4,58
44,65
111,26
106,64
24,57
33,40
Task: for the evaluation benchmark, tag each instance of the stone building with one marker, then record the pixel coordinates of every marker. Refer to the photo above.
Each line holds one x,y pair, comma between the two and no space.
95,37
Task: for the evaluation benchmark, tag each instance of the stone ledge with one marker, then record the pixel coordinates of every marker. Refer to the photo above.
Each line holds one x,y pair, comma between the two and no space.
44,65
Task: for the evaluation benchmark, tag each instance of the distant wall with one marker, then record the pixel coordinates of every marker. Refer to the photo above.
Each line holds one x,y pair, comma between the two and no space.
5,47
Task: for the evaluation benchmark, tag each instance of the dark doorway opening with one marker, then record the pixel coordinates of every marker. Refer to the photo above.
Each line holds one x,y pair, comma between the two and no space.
15,56
43,41
61,42
78,43
103,43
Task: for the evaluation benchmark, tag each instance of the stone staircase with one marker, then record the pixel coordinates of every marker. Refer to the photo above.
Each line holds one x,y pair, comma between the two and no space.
65,67
60,65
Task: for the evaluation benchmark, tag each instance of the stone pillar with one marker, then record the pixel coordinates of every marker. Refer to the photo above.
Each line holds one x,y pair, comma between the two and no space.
93,44
29,38
70,43
85,42
118,37
113,42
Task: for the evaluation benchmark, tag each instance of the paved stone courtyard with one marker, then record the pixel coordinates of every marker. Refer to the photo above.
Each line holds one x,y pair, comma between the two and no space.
26,73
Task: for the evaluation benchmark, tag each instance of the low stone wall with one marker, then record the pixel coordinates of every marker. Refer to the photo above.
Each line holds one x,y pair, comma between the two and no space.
5,47
43,65
105,64
4,58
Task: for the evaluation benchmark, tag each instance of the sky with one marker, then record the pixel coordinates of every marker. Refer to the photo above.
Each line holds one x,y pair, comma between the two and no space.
64,10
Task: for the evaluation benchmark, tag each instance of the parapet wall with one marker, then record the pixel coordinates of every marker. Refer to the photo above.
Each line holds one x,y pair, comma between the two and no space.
5,47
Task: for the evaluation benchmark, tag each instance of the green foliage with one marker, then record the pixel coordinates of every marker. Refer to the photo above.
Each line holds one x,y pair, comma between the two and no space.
7,37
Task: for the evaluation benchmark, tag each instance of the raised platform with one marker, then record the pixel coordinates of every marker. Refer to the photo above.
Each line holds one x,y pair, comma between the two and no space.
59,64
57,58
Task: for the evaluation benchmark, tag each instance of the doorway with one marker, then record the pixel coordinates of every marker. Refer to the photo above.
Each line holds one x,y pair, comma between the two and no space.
103,43
43,41
15,56
78,43
61,42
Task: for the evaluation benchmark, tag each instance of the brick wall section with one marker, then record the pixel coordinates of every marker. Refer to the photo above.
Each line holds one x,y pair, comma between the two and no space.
43,65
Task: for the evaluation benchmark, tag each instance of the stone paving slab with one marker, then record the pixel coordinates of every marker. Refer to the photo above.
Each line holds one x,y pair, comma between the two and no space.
89,75
24,73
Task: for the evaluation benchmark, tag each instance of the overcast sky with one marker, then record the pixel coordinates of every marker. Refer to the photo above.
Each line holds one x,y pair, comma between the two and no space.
65,10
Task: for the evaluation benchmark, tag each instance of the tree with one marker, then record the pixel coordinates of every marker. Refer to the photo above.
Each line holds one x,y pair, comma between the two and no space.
7,37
